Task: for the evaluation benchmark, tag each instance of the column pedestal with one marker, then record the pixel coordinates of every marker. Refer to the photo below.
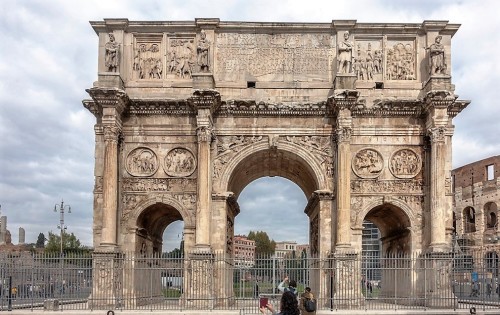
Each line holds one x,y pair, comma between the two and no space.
347,293
439,292
107,284
199,281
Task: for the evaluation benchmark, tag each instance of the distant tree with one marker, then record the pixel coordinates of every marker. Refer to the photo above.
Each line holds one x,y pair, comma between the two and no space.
263,245
40,242
70,243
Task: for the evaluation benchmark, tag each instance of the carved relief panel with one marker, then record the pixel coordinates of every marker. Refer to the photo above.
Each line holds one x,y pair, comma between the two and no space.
272,57
369,60
181,57
401,63
141,161
405,163
179,162
148,58
367,163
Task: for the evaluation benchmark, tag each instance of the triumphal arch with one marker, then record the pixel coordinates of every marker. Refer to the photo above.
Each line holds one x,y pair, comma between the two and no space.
359,115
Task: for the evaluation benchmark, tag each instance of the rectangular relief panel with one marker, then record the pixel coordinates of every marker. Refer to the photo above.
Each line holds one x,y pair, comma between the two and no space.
148,57
368,63
274,57
401,59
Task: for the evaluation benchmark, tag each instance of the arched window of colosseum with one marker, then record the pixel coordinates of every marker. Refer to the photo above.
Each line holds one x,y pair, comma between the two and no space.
490,211
469,217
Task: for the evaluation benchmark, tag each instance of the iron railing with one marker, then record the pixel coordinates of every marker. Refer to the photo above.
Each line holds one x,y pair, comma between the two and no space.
131,281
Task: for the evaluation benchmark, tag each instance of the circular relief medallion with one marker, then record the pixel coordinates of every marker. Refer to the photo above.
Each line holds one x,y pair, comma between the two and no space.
367,163
405,163
179,162
141,162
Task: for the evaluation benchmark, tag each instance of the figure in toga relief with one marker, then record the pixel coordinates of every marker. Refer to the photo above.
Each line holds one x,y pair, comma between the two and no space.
203,50
111,54
436,52
345,54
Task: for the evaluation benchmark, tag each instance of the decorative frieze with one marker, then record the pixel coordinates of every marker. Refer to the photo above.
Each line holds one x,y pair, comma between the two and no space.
414,186
158,184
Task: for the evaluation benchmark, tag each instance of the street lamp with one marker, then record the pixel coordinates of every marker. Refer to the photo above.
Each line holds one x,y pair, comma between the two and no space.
61,225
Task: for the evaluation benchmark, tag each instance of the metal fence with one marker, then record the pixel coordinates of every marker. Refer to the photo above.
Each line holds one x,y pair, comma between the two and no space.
131,281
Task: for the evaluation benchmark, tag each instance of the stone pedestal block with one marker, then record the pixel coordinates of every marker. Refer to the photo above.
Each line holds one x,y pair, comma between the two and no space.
109,80
439,83
439,286
203,81
348,276
51,305
345,82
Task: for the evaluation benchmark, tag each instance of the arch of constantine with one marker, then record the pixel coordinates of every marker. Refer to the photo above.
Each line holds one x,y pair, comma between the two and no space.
358,115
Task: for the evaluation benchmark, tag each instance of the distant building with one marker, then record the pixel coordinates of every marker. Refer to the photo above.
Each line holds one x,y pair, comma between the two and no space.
244,251
476,189
301,248
285,249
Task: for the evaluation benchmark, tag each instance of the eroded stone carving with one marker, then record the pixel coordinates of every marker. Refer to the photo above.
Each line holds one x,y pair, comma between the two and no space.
270,57
344,57
368,62
203,50
437,134
158,184
98,184
367,163
229,235
387,186
437,58
181,58
141,162
400,60
129,203
313,228
148,59
405,163
111,54
179,162
318,145
227,147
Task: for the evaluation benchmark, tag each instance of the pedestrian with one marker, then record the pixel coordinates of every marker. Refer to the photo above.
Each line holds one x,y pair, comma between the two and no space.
288,305
489,288
288,285
307,303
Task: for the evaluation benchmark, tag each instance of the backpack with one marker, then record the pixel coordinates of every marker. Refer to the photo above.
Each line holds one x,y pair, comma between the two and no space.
310,305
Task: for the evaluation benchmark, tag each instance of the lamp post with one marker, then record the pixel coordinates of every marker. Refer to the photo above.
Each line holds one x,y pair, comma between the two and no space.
61,225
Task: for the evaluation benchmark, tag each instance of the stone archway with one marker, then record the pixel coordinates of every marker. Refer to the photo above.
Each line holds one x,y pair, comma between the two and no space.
172,134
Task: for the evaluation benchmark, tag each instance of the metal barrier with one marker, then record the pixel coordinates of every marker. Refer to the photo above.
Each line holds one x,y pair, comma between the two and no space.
138,282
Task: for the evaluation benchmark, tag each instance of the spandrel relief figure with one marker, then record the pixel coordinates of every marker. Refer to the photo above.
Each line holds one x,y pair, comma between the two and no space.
203,51
345,55
436,53
111,56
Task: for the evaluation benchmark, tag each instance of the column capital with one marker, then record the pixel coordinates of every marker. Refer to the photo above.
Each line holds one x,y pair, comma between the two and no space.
205,99
437,134
105,98
112,131
205,134
343,100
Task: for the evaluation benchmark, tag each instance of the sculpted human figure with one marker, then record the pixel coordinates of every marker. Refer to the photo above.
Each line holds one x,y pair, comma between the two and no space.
345,54
111,54
436,52
203,50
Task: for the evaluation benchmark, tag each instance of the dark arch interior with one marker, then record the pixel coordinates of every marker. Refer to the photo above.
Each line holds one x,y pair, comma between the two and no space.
273,163
153,221
394,226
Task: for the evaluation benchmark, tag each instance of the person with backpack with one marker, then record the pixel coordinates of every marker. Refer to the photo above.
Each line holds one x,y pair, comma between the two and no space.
288,305
307,304
288,285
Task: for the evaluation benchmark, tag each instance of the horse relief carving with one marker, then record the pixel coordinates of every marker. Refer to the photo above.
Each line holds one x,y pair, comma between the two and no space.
367,163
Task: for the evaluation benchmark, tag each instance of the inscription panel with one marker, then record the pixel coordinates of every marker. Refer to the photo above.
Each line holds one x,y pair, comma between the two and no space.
273,57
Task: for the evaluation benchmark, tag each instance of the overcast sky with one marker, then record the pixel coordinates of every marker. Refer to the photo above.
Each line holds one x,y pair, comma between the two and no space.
48,57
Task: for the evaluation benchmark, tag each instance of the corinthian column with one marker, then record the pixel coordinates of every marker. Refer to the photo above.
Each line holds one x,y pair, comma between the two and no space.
341,104
108,106
205,102
439,128
110,184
